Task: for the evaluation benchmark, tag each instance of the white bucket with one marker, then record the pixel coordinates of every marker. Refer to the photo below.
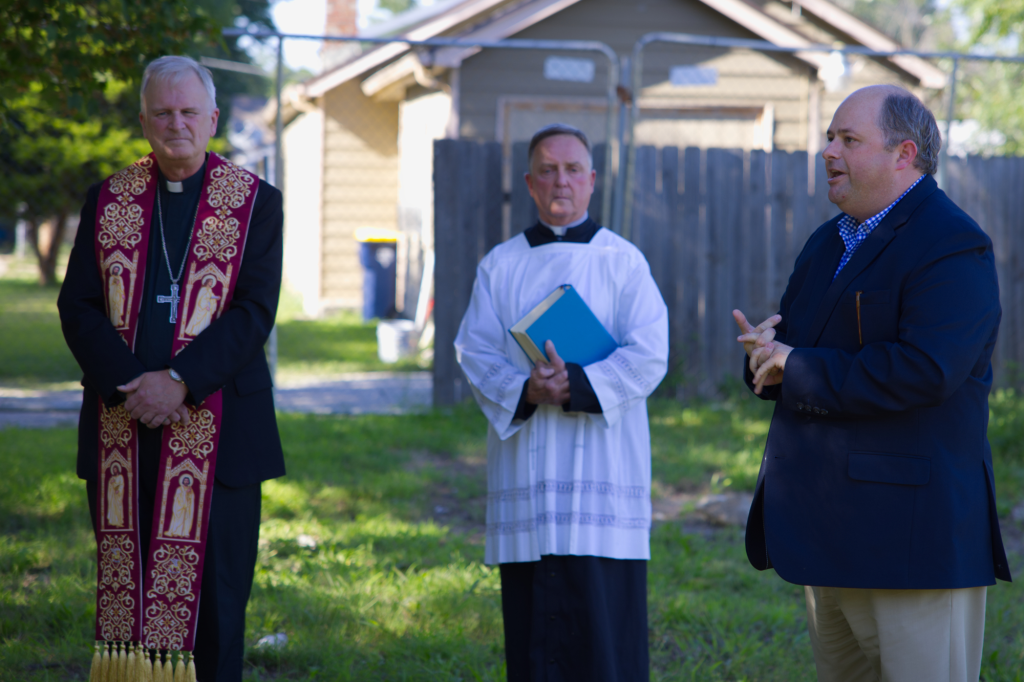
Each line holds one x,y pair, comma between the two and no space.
396,339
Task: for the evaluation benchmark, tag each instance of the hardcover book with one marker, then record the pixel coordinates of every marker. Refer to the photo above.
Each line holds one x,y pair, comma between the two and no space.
566,320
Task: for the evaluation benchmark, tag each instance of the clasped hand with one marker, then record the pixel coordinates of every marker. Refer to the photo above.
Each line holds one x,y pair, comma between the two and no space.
767,356
549,381
155,399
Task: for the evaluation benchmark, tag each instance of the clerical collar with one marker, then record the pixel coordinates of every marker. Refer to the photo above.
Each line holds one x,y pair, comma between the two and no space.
560,230
188,183
541,234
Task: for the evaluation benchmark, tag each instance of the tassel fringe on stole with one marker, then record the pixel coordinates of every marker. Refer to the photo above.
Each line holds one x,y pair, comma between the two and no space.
111,663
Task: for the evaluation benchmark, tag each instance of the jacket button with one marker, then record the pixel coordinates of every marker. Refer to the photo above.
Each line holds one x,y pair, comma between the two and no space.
800,406
824,411
816,410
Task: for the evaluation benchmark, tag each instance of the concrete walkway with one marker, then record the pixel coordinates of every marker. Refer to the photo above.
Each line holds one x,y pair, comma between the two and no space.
361,393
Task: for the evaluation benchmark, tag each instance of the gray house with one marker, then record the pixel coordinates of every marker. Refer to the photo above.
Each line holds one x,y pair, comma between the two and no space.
358,143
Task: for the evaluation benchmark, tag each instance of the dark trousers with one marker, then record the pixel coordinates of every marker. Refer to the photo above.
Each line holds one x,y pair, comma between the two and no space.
228,568
573,618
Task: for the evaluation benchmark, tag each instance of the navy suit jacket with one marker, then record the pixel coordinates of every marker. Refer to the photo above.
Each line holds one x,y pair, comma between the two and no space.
228,354
877,472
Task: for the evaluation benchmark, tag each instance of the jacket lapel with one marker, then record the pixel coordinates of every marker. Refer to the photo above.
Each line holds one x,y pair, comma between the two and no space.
823,266
866,253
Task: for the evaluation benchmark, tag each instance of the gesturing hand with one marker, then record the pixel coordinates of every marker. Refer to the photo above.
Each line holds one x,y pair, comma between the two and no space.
767,356
760,336
549,381
770,369
155,399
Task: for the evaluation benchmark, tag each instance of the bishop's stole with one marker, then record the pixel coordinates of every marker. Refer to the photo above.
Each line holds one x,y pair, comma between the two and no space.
156,604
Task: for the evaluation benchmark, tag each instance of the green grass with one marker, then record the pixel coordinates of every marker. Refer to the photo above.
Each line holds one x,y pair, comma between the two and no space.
395,589
335,345
32,349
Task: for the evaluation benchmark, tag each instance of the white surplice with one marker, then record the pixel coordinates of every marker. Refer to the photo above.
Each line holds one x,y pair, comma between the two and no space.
567,483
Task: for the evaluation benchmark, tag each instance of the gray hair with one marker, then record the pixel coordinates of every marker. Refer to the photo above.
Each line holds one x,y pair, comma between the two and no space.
559,129
174,69
904,117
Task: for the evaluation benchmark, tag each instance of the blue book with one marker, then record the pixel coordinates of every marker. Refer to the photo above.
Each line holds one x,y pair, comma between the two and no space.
567,321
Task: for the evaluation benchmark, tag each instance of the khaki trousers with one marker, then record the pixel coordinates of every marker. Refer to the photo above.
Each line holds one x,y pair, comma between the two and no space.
896,635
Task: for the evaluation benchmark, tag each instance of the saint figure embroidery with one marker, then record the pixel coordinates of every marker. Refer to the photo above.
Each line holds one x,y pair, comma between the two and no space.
115,497
115,295
183,509
206,306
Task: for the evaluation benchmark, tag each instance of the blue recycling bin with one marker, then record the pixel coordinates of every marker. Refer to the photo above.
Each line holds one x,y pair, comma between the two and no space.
378,255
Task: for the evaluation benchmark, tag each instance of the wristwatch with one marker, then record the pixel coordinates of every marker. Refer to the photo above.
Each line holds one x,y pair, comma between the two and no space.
175,375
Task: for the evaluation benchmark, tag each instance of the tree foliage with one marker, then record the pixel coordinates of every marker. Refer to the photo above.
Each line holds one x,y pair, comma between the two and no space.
48,163
987,92
915,24
63,51
990,92
70,71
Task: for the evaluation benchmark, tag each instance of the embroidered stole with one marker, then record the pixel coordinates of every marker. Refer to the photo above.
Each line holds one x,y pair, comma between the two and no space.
158,607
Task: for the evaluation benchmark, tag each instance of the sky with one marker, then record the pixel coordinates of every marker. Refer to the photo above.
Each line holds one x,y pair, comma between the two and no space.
308,17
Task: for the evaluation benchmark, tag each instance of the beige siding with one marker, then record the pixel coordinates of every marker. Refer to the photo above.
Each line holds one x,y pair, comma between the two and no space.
360,185
747,80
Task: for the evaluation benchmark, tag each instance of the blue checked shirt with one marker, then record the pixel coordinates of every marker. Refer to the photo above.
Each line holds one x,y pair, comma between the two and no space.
853,234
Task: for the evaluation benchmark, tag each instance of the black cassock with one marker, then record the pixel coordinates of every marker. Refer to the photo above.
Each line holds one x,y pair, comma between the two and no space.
227,355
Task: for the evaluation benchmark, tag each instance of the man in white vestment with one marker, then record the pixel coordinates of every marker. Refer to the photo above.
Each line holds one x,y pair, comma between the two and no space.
568,452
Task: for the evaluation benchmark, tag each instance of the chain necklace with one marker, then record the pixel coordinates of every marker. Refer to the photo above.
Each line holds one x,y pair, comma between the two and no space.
173,298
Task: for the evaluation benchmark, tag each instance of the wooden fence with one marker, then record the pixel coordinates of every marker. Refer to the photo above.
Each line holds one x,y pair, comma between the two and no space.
720,228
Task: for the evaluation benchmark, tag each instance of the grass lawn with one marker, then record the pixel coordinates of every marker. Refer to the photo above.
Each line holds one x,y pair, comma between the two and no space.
389,583
371,548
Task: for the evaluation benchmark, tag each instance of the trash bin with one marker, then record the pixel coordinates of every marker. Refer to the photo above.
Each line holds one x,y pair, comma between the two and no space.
378,256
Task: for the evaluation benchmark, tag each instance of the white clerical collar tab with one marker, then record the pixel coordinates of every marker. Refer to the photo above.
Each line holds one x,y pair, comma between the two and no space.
560,231
175,187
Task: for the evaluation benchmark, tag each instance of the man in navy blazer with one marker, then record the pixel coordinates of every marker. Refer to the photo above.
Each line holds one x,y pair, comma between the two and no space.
876,489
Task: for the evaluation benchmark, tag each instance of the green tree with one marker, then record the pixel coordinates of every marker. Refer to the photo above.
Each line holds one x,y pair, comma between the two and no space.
70,73
915,24
64,51
48,163
990,92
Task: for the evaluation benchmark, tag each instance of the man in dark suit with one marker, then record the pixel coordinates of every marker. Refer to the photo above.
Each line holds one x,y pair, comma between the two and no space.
876,488
156,388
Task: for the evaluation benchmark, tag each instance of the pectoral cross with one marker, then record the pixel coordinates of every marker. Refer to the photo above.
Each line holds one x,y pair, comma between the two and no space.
173,300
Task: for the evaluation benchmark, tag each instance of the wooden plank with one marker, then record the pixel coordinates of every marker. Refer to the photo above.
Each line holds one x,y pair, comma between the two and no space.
471,239
1013,314
446,316
724,176
645,209
778,262
493,195
523,210
689,282
756,238
802,205
671,256
995,171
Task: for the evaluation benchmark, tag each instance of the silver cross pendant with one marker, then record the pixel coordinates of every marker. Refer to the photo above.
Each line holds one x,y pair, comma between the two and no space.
173,300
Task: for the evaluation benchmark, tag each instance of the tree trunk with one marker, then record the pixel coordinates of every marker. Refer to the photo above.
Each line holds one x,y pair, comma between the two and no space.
47,250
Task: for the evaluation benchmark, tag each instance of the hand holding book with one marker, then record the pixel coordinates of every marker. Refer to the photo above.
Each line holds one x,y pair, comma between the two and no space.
549,381
564,318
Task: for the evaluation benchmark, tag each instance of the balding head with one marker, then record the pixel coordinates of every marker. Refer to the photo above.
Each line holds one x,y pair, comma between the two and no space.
881,140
